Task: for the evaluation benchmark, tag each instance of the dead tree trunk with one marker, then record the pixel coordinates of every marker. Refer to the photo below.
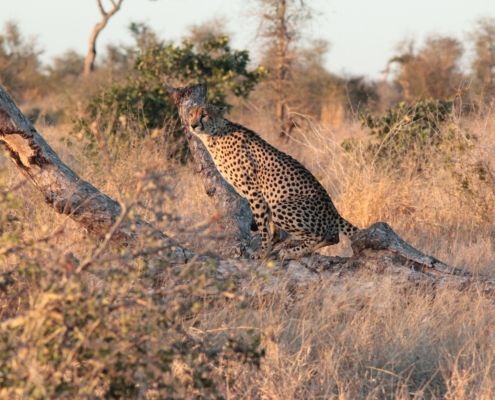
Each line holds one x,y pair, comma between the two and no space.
377,248
89,62
281,23
281,66
66,192
235,213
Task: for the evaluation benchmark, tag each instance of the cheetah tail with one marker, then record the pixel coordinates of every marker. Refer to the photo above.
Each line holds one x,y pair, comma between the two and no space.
347,228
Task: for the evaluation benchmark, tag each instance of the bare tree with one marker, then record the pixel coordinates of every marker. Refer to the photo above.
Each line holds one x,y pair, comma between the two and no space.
106,15
431,72
20,67
200,34
281,24
483,38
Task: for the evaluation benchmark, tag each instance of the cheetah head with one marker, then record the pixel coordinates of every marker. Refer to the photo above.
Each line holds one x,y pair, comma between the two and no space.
206,119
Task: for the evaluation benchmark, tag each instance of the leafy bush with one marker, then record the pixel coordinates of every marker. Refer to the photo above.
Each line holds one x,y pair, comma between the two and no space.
65,69
119,340
424,135
410,133
141,105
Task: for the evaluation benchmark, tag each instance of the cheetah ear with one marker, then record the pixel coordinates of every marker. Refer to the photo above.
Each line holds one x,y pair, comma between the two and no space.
223,110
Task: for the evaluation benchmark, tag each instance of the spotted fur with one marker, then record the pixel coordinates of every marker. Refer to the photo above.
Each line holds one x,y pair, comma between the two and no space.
279,189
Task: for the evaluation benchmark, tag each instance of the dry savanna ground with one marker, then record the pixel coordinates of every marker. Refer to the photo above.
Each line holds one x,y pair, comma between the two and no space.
110,331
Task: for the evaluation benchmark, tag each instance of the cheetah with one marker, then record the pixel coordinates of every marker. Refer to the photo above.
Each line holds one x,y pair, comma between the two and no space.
280,190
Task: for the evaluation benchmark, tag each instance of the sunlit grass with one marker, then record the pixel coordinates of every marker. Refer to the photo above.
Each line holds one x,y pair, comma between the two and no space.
367,339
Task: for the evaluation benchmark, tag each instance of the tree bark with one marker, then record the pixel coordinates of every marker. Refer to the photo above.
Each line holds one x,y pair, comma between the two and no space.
377,249
282,67
89,62
235,212
67,193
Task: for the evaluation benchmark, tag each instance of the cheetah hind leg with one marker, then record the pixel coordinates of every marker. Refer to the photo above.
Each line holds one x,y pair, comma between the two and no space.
329,240
274,239
276,234
271,251
294,249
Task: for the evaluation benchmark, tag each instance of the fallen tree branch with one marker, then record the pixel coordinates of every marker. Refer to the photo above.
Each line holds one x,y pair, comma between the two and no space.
66,192
380,236
378,249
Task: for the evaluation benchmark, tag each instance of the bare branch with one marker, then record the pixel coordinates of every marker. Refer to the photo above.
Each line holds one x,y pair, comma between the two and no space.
115,8
100,7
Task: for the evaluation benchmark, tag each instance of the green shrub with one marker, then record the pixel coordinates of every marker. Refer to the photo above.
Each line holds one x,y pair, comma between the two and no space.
141,105
119,340
410,132
424,135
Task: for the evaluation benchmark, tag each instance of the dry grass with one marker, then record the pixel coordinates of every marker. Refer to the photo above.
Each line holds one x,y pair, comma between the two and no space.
373,340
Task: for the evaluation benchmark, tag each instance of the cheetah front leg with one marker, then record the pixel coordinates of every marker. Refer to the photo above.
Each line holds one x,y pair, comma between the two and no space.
263,217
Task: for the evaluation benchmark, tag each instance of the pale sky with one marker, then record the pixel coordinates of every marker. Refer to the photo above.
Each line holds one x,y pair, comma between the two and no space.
362,33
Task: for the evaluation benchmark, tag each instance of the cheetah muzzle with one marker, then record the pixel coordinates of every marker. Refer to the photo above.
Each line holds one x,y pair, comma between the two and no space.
279,189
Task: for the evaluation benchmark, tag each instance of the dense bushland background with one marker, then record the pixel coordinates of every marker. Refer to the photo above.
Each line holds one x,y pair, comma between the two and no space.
415,150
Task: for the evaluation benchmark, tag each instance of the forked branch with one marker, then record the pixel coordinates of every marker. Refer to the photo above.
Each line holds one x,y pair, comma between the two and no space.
106,15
